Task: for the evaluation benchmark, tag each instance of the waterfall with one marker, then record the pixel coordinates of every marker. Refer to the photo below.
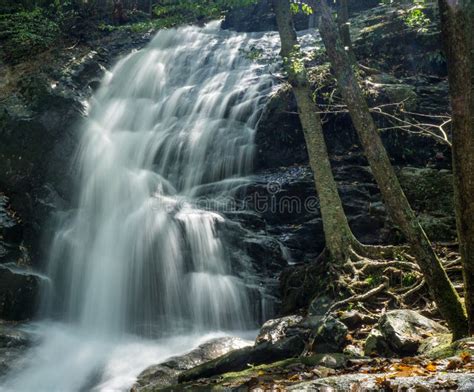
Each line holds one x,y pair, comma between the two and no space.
140,258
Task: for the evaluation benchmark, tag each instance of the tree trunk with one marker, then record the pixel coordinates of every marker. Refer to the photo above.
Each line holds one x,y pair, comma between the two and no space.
457,25
343,23
338,235
441,289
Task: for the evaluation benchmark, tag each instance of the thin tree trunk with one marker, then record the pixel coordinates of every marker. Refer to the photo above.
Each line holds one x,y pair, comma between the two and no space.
441,288
457,22
338,235
343,23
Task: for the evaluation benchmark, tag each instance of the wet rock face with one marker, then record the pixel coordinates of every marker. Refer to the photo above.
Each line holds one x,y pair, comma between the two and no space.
19,293
39,117
19,288
11,232
13,343
280,141
166,373
287,201
401,332
386,40
258,17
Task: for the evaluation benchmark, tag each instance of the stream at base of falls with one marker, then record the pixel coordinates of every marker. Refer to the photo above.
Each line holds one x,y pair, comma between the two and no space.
139,271
68,358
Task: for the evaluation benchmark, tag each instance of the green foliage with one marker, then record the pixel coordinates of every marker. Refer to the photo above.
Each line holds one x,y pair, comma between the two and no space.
26,33
298,5
436,57
373,280
408,279
253,53
417,19
295,63
171,13
196,9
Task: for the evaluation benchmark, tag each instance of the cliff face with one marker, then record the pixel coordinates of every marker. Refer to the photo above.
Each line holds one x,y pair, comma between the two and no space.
42,102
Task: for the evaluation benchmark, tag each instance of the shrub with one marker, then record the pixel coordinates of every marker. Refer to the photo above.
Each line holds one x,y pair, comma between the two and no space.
26,33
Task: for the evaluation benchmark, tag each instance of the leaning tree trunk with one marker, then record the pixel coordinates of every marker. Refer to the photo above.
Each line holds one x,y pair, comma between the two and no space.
457,25
338,235
441,288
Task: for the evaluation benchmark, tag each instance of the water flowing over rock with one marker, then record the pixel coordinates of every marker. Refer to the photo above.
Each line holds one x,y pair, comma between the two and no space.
168,141
168,120
13,344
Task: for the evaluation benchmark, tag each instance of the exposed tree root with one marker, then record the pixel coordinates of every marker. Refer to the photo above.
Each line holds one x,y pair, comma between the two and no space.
378,278
361,297
372,279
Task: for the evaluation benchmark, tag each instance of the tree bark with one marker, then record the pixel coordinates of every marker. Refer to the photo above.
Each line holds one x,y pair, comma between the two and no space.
343,23
457,25
338,235
441,288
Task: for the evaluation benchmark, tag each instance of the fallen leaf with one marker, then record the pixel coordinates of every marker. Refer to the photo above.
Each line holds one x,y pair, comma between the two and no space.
465,357
454,364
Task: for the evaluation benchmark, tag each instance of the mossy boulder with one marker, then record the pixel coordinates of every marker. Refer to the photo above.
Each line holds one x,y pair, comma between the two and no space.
241,359
166,373
401,332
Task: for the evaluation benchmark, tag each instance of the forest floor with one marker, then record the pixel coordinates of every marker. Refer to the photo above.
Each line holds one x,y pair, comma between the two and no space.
336,372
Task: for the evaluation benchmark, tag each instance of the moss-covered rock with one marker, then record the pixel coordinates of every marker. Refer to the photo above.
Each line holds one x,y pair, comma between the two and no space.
447,349
401,332
430,192
240,359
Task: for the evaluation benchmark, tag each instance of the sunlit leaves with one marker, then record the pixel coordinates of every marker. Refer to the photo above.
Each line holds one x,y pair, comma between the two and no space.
298,5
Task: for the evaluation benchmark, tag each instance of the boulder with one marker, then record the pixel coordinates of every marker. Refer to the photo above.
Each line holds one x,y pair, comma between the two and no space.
330,336
401,332
376,345
248,356
277,329
166,373
354,319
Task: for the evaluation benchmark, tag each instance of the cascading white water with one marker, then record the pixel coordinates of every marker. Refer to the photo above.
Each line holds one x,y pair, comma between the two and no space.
138,256
137,253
